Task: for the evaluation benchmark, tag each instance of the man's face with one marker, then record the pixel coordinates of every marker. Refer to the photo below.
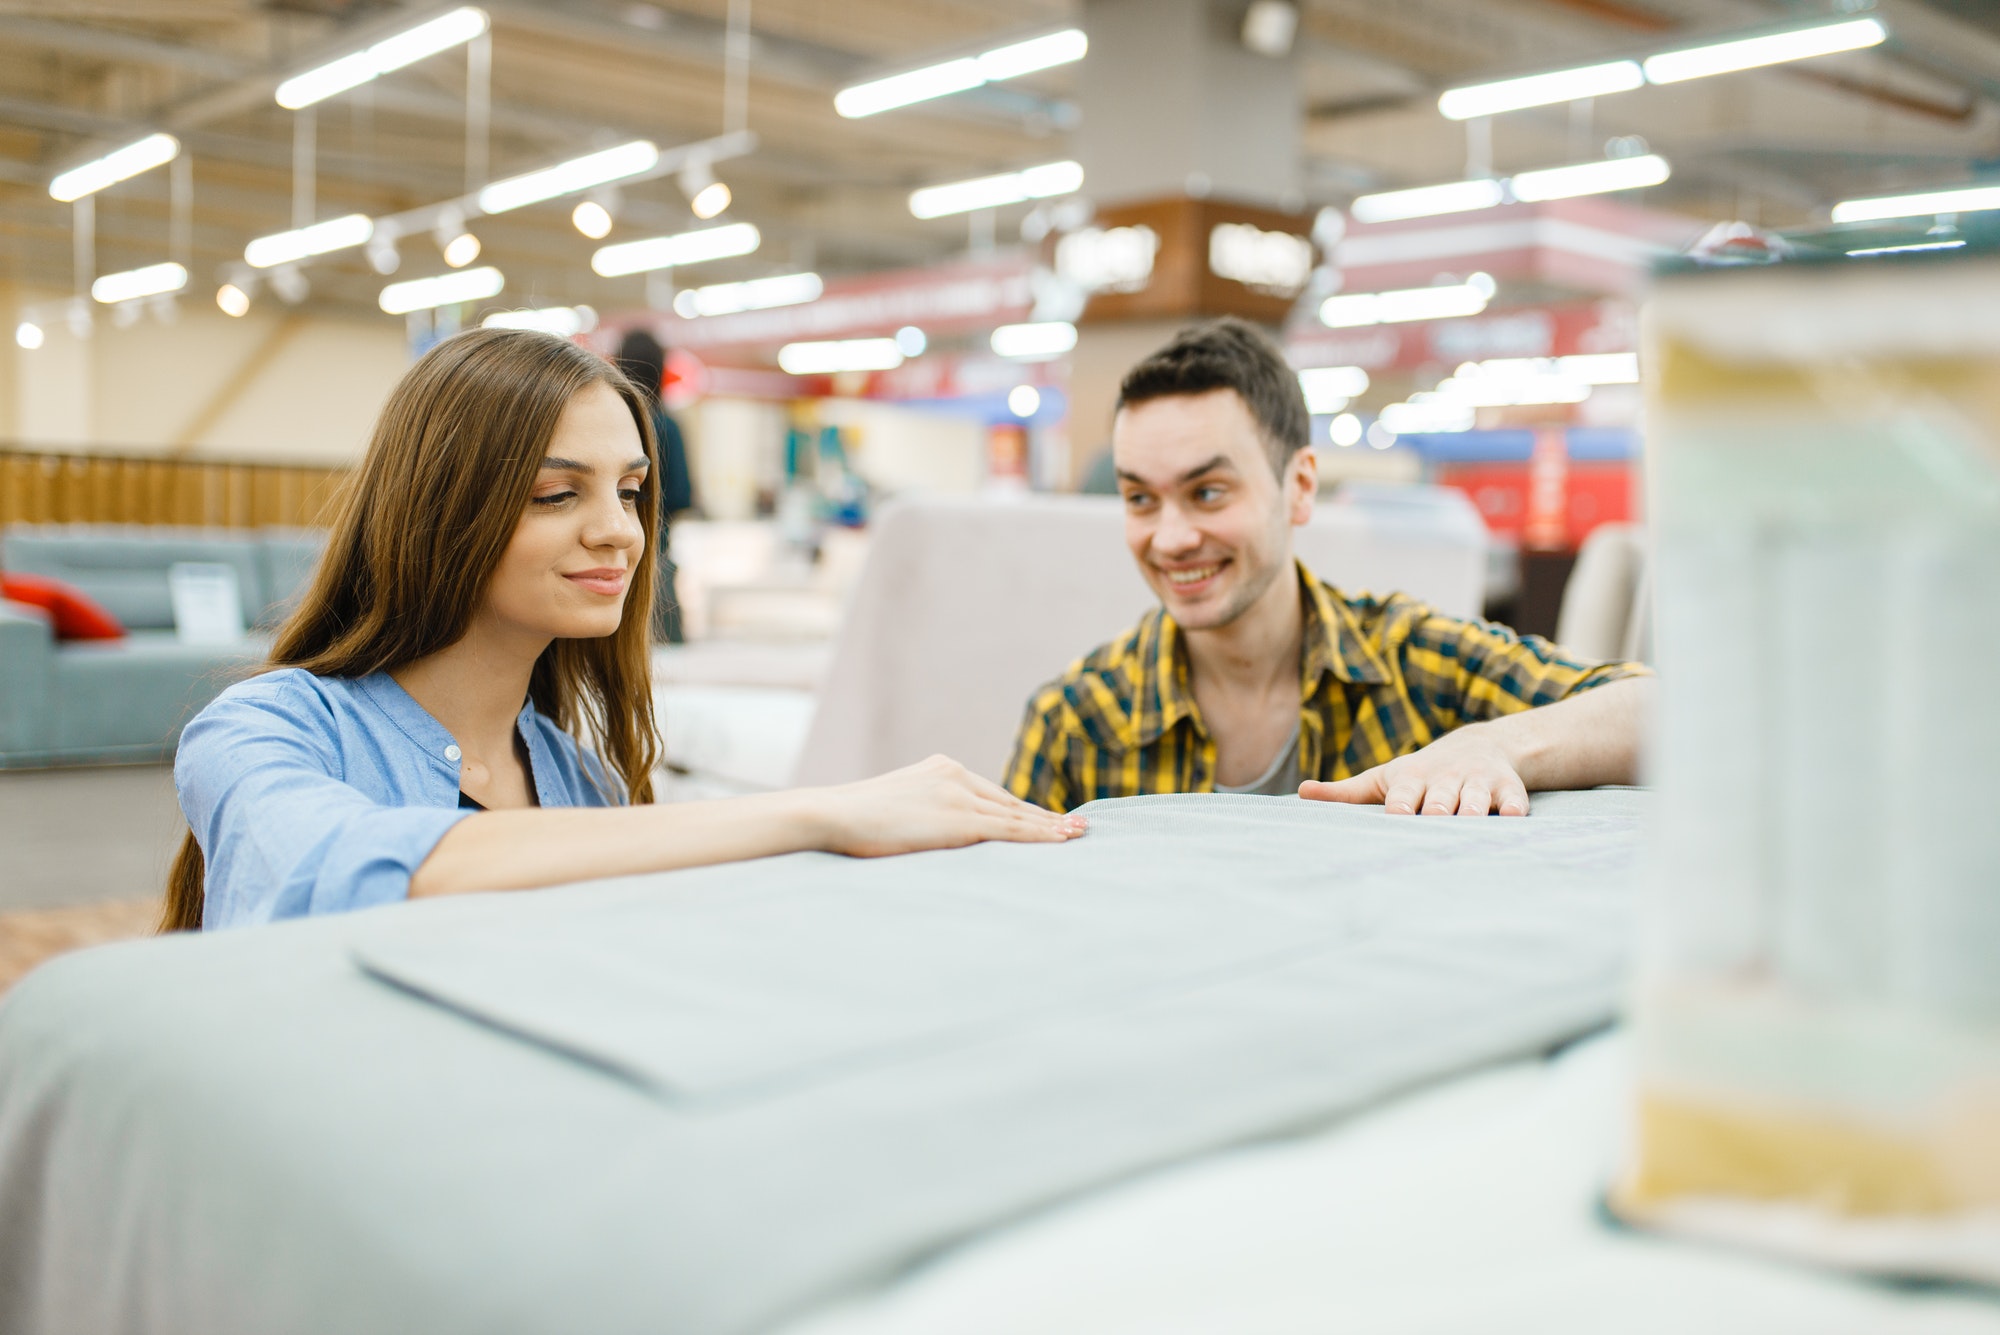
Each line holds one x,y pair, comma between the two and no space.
1207,520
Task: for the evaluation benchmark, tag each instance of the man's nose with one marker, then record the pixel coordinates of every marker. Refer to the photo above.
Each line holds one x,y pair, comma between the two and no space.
1175,533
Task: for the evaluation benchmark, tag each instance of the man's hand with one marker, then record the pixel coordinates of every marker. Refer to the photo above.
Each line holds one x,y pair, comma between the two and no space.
1590,738
1465,773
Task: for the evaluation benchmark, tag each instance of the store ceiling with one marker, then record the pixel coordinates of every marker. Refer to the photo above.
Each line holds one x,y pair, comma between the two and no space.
77,76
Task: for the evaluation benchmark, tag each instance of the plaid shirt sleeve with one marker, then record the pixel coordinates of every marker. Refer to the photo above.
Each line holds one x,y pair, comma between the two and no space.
1036,773
1461,672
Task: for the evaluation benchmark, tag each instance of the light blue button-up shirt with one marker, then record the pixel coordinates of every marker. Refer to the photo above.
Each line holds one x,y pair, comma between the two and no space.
316,794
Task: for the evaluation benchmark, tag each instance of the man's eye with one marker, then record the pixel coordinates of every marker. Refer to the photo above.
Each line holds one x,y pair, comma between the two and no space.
554,498
1209,495
1135,499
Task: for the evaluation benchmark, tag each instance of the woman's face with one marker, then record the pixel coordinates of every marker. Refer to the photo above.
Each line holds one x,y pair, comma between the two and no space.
566,572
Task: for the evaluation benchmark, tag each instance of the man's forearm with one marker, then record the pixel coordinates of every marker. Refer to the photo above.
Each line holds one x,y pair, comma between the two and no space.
1590,738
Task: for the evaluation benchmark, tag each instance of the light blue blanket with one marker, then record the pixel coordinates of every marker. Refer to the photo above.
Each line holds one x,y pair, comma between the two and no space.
703,1101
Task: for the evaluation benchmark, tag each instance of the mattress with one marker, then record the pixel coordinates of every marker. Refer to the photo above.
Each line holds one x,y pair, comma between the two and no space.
709,1101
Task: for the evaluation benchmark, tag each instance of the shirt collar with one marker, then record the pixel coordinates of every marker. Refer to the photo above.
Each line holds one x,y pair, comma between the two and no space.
1334,643
416,723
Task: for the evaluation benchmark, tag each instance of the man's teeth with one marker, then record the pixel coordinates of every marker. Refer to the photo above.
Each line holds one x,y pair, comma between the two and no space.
1194,576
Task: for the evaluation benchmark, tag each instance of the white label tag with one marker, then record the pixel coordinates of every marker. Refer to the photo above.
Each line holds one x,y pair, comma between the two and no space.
208,604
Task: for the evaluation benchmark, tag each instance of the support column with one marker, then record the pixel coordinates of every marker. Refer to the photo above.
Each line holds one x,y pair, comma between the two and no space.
1175,108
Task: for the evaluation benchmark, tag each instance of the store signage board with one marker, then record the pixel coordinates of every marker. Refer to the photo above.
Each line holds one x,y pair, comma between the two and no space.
1209,257
207,602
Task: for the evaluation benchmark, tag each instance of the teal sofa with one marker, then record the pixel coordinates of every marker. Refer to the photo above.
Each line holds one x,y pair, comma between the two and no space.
95,702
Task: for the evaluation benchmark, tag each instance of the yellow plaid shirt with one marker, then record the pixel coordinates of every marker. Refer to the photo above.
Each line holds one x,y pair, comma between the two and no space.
1379,678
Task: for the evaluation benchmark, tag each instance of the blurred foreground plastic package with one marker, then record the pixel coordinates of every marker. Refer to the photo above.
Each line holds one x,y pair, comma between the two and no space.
1818,1018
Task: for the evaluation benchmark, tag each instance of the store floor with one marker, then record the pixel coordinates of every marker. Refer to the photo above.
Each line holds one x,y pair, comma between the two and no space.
83,856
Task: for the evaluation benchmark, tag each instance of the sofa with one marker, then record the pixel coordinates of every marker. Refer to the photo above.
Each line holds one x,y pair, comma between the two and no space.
111,701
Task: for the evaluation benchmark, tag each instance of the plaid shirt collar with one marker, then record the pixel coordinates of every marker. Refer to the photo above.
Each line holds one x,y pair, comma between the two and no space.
1334,646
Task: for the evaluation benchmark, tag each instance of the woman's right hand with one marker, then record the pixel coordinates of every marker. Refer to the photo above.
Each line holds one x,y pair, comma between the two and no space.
935,803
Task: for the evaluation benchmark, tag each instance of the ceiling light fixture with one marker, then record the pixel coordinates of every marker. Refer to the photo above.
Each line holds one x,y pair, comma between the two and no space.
566,178
120,164
1428,200
319,239
151,281
461,250
987,192
391,53
562,321
1962,199
956,76
233,300
28,335
756,294
1590,178
710,200
592,219
446,289
1354,309
1537,90
1744,53
1905,250
665,252
1033,342
1328,388
837,355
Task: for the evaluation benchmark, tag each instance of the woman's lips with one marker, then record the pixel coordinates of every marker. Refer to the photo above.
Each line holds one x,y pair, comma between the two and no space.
609,582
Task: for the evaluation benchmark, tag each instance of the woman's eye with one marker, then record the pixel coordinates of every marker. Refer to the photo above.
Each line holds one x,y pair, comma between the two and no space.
553,499
630,495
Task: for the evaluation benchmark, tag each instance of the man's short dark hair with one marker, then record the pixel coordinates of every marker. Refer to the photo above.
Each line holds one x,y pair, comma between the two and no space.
1229,354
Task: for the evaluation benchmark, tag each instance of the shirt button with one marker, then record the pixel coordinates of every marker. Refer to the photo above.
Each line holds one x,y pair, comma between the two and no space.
452,753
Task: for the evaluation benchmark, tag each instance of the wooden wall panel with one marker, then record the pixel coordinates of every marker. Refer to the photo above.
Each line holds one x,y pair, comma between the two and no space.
42,487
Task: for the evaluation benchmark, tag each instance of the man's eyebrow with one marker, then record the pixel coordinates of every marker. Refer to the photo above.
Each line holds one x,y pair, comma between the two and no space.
1218,463
555,461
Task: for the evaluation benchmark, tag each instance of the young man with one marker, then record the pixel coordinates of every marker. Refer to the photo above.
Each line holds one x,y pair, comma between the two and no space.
1252,676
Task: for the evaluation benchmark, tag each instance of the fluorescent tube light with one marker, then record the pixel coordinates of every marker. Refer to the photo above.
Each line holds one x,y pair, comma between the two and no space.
1475,390
664,252
901,90
1328,388
391,53
115,166
1904,250
1038,53
1966,199
1535,90
446,289
562,321
150,281
319,239
1428,200
1601,368
1770,49
756,294
846,354
956,76
987,192
1419,417
1590,178
1352,309
566,178
1033,342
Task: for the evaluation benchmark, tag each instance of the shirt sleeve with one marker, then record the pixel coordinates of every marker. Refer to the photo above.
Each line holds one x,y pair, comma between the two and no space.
1036,773
282,836
1467,671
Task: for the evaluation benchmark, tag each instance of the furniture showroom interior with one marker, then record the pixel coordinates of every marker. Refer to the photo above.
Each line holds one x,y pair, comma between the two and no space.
994,667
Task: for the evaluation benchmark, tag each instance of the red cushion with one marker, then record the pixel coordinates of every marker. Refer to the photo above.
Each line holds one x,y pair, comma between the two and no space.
77,616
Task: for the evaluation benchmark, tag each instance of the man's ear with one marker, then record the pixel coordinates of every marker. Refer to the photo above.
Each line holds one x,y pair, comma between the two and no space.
1301,486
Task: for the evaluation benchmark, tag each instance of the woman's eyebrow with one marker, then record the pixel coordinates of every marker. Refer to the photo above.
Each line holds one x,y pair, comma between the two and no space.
638,465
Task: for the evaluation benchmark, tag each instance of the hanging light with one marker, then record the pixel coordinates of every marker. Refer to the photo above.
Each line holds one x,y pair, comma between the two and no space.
956,76
566,178
121,164
446,289
301,242
592,219
461,250
710,200
391,53
233,300
150,281
28,334
664,252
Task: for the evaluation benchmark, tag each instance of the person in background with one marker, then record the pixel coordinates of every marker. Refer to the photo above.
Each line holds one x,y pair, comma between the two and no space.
644,362
462,700
1254,677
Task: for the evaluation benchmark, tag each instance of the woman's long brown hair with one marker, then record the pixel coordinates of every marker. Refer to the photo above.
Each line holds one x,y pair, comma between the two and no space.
420,529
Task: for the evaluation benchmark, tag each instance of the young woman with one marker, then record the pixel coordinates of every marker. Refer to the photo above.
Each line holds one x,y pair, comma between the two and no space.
492,550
